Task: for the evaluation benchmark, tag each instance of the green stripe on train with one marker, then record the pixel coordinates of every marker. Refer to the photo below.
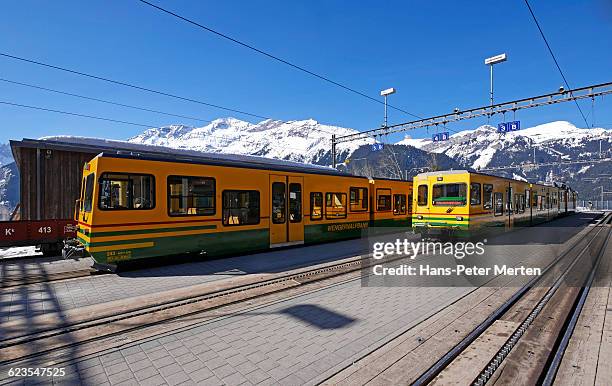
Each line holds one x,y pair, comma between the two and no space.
225,243
151,230
213,244
316,233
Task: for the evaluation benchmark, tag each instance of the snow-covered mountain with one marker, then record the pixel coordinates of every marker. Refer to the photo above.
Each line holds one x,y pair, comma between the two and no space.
9,189
6,155
484,147
310,141
303,141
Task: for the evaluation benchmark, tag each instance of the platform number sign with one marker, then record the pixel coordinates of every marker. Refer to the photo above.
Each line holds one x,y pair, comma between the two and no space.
440,136
505,127
378,146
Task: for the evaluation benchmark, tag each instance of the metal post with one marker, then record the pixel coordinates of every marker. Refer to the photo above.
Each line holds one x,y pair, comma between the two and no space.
334,150
491,92
386,111
602,192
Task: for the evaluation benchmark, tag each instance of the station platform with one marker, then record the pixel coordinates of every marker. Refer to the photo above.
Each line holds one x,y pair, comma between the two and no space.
312,337
57,297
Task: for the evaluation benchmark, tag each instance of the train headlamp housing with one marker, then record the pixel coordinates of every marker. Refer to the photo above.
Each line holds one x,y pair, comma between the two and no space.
459,218
419,217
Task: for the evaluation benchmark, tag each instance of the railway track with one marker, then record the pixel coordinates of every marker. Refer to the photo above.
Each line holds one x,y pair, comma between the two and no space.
13,350
18,281
16,348
548,321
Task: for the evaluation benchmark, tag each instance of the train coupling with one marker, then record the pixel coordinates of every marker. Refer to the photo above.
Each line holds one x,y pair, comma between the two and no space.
73,249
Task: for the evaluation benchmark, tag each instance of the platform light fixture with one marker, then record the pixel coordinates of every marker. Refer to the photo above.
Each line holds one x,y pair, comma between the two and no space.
491,62
386,93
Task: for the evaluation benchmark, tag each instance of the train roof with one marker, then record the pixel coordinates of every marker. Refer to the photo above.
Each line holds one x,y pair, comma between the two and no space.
123,149
464,171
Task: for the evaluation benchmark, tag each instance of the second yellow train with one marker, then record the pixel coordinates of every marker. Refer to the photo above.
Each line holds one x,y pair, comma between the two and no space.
460,202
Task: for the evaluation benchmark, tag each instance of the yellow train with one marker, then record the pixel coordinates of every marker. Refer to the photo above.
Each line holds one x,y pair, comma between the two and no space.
135,206
461,202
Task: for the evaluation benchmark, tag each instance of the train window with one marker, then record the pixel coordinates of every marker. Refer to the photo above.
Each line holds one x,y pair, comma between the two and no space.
399,204
449,194
279,200
527,199
126,191
81,194
358,199
540,203
295,202
88,195
383,200
487,202
517,203
316,205
474,193
410,202
240,207
521,203
499,204
191,196
335,205
422,195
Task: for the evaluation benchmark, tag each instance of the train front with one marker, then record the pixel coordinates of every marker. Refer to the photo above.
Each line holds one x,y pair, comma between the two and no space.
440,204
83,214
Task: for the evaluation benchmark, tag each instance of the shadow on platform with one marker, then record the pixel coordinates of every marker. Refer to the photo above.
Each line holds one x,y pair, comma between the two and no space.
319,317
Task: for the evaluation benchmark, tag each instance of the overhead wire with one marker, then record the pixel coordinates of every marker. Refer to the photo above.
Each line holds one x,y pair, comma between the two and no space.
104,100
279,59
74,114
273,57
134,86
131,85
555,60
149,126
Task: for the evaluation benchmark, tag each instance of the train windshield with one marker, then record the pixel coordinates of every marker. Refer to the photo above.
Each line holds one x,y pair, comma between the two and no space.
449,194
88,197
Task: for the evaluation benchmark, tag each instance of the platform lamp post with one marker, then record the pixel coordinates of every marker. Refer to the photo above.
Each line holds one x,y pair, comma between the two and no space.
490,62
386,93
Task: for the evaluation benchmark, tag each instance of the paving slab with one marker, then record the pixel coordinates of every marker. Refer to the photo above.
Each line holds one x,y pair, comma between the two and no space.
56,298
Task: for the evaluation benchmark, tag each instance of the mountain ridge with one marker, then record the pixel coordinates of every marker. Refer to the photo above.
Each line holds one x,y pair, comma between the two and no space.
309,141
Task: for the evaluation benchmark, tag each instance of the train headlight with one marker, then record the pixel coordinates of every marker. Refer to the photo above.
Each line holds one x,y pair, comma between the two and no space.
419,217
459,218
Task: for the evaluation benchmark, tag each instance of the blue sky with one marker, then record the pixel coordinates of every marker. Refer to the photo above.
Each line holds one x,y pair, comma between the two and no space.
431,52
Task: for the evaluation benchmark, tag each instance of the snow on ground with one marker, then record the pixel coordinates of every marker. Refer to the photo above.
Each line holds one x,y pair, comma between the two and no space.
11,252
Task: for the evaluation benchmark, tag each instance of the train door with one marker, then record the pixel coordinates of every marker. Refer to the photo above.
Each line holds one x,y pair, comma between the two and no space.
296,215
286,210
421,204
